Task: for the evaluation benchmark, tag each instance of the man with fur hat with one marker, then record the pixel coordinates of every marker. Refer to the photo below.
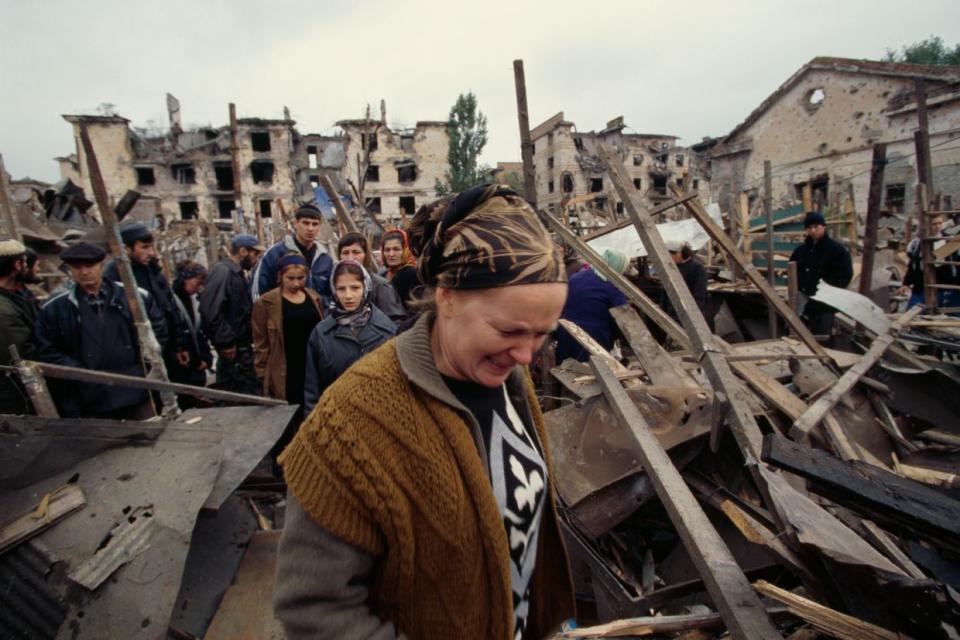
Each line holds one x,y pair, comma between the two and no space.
820,257
18,315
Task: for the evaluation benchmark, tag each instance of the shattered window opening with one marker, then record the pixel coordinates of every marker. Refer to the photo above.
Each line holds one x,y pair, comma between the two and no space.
373,173
314,181
369,141
261,171
407,173
145,176
895,197
183,173
550,187
312,157
260,140
637,159
550,162
189,210
814,98
225,208
578,143
266,210
596,185
679,159
566,183
696,184
660,185
223,172
637,184
619,207
408,204
600,203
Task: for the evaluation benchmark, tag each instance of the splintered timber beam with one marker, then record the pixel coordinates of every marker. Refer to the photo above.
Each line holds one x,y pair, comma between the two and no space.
526,144
342,214
695,208
728,587
697,334
650,308
825,403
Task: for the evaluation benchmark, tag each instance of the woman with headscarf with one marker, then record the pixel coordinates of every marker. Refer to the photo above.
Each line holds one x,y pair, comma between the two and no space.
354,328
420,497
399,264
193,369
282,321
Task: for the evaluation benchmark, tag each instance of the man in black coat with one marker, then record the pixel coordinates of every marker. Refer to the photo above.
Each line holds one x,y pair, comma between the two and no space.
226,307
18,315
89,325
820,257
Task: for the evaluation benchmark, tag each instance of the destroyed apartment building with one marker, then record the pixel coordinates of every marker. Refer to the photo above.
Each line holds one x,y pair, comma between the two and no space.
189,174
570,174
819,127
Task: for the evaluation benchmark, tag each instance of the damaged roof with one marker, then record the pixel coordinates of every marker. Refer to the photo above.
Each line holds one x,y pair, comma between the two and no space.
935,73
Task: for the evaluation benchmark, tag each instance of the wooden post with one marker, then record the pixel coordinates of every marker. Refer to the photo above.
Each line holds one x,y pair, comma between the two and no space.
926,250
728,587
6,207
526,145
807,194
343,216
150,352
768,213
793,290
922,143
703,343
873,218
851,210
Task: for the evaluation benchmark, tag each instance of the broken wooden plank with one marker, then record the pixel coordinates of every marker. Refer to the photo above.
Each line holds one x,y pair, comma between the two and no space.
127,541
695,208
728,587
52,508
593,347
870,490
815,413
829,621
884,544
662,368
658,625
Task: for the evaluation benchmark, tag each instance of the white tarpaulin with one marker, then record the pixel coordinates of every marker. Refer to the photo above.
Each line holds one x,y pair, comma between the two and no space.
628,241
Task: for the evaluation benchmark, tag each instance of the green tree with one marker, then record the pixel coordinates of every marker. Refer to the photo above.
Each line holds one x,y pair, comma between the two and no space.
929,51
467,130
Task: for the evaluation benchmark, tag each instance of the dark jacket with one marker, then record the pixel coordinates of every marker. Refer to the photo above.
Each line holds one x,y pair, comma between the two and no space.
226,306
385,297
945,273
827,260
318,276
18,316
150,278
194,340
63,340
333,348
695,277
589,300
269,355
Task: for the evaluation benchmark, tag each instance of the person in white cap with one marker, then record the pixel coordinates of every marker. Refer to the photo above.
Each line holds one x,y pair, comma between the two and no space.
694,275
18,315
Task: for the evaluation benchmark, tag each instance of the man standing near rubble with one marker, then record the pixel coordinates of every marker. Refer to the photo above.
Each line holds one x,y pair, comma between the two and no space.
90,326
226,309
820,257
138,243
18,315
306,227
945,273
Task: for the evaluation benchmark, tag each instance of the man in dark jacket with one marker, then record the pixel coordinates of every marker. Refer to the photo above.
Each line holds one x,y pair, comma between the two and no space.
306,227
18,315
89,325
589,300
694,276
225,311
820,257
139,245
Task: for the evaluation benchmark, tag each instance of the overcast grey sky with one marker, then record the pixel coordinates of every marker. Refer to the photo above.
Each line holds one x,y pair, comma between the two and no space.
692,69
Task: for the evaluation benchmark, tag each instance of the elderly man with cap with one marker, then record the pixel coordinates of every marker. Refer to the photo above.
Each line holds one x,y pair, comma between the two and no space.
18,315
589,300
139,245
226,309
90,325
820,257
694,276
306,226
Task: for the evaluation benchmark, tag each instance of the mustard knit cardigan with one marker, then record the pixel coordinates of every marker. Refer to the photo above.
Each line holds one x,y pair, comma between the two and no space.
390,469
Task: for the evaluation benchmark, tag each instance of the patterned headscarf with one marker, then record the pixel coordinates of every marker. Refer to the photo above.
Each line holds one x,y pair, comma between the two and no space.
361,315
488,236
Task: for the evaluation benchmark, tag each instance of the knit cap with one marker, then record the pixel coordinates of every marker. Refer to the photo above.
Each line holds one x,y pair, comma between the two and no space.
11,248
